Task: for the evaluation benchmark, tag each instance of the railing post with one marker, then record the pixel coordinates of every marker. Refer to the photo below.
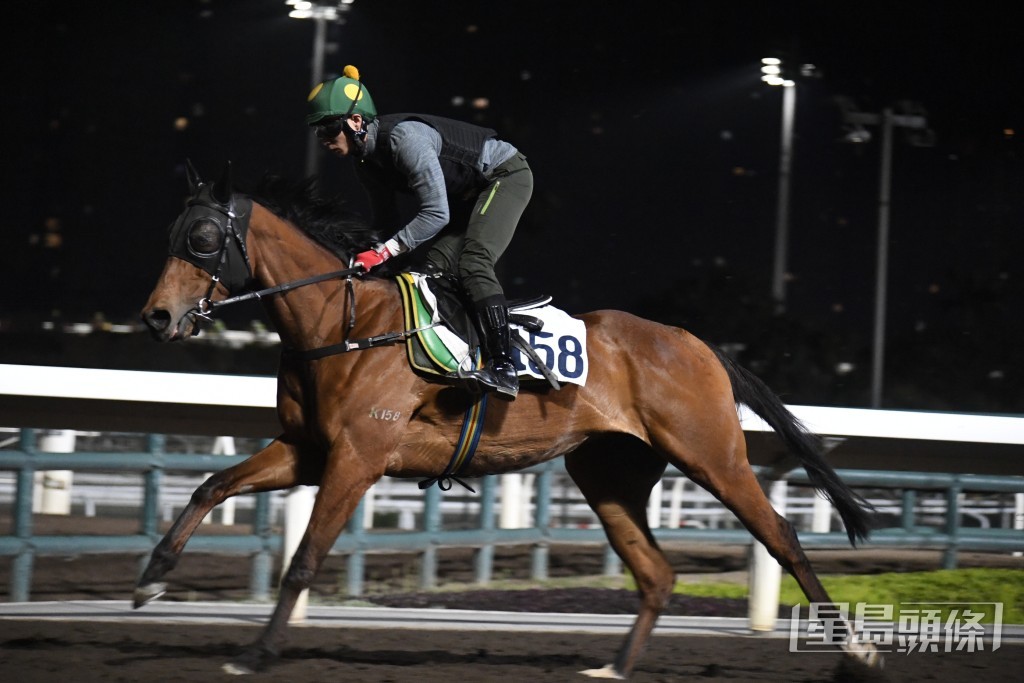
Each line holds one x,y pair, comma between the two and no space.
1018,515
511,500
766,573
612,562
542,520
949,559
368,507
431,525
821,514
356,562
223,445
262,562
676,502
21,565
298,510
654,505
484,559
907,517
53,487
153,478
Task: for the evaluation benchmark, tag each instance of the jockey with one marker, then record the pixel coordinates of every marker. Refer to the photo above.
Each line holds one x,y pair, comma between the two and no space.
437,160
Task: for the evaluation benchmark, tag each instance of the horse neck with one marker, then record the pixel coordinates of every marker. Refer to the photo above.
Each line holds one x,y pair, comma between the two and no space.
312,315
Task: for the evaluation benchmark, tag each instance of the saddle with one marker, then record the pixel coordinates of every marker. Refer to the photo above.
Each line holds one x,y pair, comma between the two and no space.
441,336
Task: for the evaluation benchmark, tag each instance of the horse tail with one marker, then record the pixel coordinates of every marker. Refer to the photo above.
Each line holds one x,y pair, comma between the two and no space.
747,388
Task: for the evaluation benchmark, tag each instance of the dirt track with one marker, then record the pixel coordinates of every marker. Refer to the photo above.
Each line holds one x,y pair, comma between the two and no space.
83,652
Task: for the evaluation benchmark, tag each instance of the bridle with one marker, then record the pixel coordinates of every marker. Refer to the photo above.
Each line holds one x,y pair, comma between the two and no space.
232,236
234,228
232,220
190,239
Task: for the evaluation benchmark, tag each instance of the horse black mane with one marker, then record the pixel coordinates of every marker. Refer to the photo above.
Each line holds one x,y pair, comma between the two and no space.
326,219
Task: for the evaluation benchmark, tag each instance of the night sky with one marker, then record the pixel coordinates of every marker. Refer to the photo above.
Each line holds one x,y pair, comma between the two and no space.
653,142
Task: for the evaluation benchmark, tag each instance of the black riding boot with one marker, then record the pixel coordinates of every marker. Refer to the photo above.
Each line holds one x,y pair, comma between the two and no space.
499,374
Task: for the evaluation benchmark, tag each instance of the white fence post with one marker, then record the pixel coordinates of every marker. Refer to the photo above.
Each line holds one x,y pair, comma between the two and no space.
52,489
766,573
225,445
654,506
526,516
511,501
821,517
298,509
368,507
675,503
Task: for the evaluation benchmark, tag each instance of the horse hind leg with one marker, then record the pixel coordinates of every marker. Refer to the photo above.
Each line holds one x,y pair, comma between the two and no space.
275,467
616,475
739,490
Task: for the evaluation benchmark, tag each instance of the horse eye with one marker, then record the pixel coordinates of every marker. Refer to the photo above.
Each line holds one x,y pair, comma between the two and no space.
204,237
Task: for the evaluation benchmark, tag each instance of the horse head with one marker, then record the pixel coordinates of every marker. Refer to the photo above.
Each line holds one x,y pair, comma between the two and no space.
207,258
208,261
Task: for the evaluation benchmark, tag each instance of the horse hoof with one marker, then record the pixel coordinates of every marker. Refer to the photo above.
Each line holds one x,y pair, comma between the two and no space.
863,654
607,671
236,669
146,594
853,668
253,660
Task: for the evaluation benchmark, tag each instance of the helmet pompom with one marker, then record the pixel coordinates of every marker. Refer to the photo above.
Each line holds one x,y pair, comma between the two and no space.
350,72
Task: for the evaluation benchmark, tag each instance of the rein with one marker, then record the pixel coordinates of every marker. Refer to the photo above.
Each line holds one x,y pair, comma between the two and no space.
233,233
205,308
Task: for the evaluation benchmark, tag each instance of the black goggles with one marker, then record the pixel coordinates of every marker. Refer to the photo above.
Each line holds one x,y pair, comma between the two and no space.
328,130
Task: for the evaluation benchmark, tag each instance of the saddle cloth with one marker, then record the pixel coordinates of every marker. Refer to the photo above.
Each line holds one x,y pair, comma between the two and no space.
445,339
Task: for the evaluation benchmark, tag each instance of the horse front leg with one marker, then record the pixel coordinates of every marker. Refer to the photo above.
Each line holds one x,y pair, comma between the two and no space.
278,466
616,477
344,483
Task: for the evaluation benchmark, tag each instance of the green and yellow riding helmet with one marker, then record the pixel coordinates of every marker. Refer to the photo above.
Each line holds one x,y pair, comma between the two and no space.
341,97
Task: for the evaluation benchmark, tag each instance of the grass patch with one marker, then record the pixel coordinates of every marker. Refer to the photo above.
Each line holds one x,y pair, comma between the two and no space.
955,585
531,584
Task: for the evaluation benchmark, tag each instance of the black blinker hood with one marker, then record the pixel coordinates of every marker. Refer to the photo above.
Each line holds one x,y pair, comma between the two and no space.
231,215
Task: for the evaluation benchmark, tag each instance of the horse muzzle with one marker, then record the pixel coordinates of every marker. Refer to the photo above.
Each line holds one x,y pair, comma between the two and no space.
165,326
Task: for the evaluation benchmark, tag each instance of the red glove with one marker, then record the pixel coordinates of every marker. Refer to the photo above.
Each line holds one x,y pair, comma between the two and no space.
378,255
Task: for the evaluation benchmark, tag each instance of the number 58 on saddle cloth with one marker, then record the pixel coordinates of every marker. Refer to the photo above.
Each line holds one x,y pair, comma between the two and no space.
438,348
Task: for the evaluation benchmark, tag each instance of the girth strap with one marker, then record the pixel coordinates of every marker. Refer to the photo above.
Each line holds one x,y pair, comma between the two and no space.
469,437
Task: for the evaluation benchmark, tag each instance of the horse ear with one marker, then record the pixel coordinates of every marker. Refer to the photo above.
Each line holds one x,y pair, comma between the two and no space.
194,181
222,188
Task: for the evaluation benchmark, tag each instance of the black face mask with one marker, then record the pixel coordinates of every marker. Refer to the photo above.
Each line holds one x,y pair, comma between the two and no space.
209,227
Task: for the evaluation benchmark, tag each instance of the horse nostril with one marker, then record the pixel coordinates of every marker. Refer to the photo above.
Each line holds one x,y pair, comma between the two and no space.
158,319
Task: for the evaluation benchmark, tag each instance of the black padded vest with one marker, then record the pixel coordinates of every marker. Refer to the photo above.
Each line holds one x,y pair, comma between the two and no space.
461,146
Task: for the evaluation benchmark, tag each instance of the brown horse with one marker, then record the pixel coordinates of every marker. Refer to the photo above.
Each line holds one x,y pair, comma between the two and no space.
654,395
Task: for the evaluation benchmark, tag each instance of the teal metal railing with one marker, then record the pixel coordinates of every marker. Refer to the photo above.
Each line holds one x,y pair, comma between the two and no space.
262,545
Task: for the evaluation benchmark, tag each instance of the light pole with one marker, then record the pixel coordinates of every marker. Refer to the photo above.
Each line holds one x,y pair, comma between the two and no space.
772,70
321,14
299,504
888,121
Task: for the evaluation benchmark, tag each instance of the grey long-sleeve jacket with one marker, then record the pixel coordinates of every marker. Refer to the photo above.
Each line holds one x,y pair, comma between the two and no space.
416,157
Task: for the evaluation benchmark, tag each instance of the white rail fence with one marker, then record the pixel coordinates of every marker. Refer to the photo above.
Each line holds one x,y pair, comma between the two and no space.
862,439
